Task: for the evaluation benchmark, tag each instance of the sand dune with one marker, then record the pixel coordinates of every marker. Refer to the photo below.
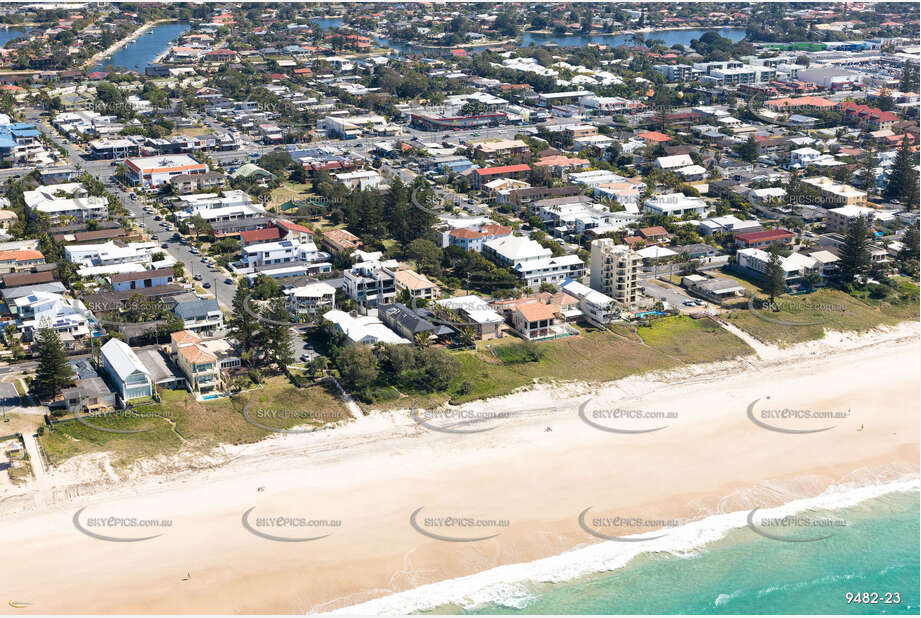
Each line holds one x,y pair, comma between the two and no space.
374,474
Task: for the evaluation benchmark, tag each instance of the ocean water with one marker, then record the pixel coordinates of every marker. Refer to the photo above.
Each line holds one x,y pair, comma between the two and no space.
715,566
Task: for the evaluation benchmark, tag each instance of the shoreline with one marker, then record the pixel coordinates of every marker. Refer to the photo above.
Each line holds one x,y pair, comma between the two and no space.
501,584
99,56
371,474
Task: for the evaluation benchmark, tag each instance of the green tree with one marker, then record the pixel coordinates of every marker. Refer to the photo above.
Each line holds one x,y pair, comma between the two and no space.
774,281
358,367
902,177
748,150
243,325
276,329
53,372
855,254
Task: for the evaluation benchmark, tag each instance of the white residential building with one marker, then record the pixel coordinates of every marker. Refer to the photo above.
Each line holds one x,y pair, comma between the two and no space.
532,262
278,252
675,204
67,200
111,254
362,180
311,298
596,307
366,330
128,373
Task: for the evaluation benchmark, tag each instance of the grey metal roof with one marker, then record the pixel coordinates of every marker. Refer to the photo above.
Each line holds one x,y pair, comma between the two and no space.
195,308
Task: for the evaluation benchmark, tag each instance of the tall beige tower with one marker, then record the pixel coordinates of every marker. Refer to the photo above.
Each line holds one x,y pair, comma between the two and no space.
615,269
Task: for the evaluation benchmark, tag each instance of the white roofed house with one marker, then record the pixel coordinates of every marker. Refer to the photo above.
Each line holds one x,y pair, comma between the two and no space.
311,298
531,262
596,307
362,179
674,162
366,330
129,375
675,204
279,252
796,266
67,201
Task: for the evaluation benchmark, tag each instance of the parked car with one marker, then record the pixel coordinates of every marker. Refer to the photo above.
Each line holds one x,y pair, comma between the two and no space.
197,277
206,285
228,281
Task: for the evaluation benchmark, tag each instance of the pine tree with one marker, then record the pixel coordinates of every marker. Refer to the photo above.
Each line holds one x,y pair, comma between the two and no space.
276,328
53,372
243,324
909,249
855,254
909,80
774,279
902,174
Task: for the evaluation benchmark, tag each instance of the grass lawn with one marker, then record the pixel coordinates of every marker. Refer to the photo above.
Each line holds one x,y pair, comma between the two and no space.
834,309
594,355
193,131
289,191
186,424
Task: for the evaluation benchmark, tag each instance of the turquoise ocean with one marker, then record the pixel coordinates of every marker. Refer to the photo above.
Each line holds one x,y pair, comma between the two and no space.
714,566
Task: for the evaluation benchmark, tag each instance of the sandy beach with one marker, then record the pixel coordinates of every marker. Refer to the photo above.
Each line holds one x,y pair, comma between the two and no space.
537,467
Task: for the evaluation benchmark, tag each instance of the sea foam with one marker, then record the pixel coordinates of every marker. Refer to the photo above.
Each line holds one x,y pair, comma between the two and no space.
508,585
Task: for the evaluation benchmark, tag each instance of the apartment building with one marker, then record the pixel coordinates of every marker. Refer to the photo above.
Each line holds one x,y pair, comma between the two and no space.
836,194
839,219
370,284
67,201
615,270
416,285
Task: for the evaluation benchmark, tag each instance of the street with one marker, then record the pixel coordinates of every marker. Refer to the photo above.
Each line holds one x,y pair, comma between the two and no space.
104,170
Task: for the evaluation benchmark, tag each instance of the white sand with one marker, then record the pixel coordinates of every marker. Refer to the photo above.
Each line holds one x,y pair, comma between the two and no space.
373,473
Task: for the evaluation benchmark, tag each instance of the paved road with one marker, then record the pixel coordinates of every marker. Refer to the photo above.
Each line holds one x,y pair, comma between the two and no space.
104,170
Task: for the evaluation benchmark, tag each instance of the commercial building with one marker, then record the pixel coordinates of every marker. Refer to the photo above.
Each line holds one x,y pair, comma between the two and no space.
152,172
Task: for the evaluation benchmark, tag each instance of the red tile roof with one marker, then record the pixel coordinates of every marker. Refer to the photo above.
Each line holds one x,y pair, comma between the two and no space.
269,233
654,136
505,169
293,227
765,235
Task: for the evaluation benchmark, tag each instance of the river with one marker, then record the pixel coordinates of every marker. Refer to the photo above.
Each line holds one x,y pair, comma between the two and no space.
12,33
670,37
141,52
